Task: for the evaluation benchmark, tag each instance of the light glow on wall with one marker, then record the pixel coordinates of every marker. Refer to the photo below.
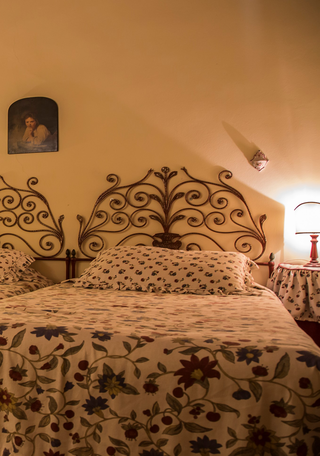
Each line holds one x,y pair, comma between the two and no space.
296,245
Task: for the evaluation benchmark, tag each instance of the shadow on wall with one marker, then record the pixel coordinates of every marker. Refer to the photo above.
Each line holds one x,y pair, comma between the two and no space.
248,148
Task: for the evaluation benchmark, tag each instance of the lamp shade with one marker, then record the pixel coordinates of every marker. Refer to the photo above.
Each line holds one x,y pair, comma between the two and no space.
307,218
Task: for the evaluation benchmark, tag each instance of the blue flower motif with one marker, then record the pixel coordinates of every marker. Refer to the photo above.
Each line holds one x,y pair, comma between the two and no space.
39,390
68,386
248,355
55,442
3,328
309,358
102,335
94,405
151,452
50,331
205,446
241,394
6,452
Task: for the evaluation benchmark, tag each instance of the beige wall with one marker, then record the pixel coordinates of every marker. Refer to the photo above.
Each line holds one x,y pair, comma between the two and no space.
146,83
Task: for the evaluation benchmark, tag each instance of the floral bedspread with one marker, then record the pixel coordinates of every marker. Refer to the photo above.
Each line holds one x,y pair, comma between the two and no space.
92,372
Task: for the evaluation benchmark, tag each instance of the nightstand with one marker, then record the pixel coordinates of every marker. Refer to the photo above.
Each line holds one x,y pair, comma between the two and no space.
298,287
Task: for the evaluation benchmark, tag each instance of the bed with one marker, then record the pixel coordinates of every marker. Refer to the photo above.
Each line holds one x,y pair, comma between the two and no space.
29,233
156,350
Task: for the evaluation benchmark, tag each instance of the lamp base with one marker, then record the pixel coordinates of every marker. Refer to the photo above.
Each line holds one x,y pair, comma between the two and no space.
314,253
312,264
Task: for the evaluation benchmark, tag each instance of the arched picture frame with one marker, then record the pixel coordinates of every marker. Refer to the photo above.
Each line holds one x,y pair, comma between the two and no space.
33,126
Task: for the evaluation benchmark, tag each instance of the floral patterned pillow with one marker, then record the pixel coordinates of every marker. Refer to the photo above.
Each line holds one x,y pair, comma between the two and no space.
31,275
12,265
154,269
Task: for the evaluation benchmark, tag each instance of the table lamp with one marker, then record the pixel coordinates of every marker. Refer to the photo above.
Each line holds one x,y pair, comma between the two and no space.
307,219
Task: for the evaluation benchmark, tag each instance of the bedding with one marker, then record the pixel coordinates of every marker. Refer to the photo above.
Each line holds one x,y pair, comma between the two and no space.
30,280
12,265
16,274
144,268
85,371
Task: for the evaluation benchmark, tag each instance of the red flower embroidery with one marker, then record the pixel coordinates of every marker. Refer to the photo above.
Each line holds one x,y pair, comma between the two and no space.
196,370
3,341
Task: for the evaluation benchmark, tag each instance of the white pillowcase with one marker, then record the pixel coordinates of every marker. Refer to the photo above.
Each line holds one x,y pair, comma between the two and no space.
154,269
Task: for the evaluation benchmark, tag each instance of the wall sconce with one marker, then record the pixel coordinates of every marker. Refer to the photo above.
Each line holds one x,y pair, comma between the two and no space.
308,222
259,160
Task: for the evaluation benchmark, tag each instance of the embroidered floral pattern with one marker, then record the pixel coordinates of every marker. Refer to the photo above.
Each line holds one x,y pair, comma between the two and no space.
90,372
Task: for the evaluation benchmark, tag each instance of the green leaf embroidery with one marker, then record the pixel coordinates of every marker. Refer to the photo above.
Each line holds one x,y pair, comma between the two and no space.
145,443
85,422
65,366
161,442
45,421
162,368
190,351
141,360
30,429
19,413
129,389
173,429
84,451
256,389
232,433
45,437
18,338
228,355
127,346
73,350
173,403
137,372
312,418
45,380
193,427
283,367
226,408
52,404
118,443
99,347
155,409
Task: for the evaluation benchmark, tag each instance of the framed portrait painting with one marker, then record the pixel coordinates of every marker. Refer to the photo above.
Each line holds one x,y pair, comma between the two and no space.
33,126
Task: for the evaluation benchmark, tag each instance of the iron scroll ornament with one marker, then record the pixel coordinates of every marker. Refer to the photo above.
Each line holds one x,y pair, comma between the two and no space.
213,211
26,216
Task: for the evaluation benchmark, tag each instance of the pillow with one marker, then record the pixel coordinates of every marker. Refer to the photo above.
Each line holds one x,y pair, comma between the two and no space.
31,275
12,265
156,269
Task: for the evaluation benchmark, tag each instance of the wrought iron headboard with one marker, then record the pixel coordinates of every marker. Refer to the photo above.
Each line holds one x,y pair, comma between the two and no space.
171,211
26,219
